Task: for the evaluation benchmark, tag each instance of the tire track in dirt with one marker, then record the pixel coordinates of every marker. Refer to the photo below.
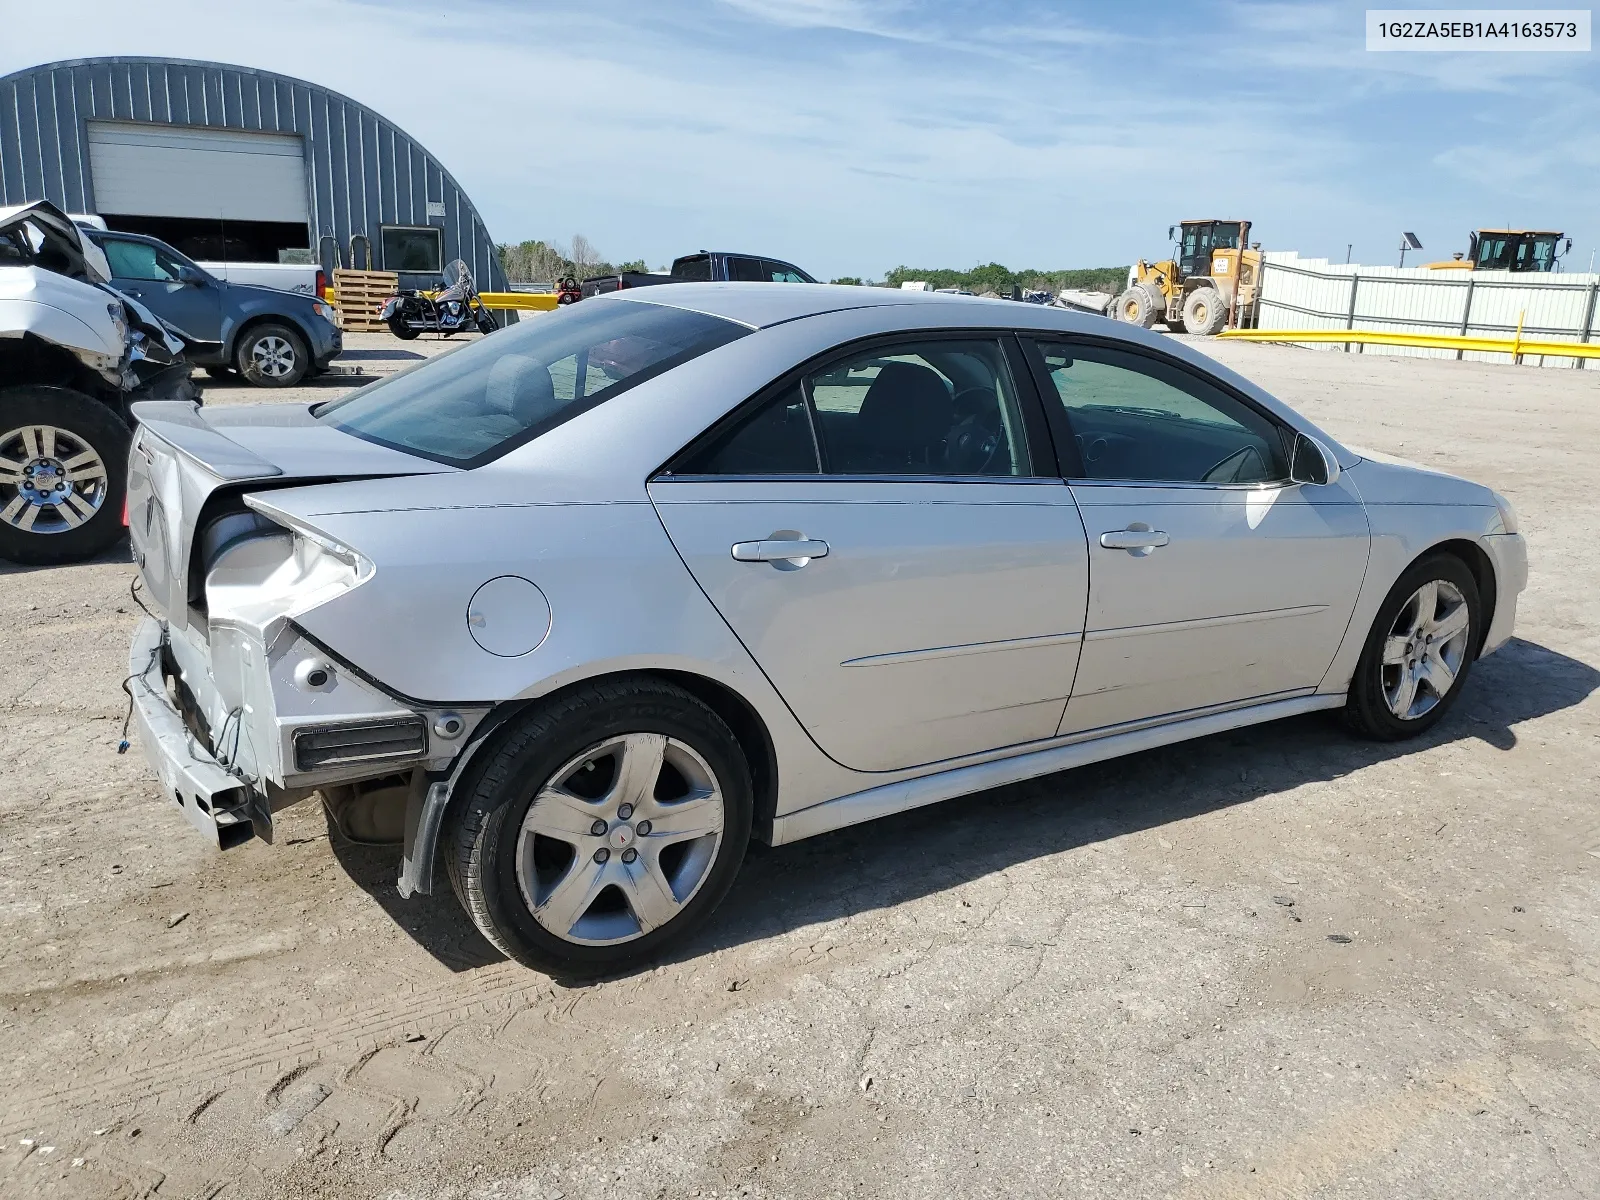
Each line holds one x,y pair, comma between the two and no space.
496,989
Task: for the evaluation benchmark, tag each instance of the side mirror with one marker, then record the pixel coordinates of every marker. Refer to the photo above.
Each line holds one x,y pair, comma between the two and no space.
187,274
1312,462
1172,232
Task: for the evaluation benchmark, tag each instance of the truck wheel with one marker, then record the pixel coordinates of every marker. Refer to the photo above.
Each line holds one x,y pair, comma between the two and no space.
272,356
1204,312
603,827
63,475
1137,307
398,327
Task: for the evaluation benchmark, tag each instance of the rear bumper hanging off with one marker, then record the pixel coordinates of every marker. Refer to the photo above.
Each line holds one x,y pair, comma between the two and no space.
221,806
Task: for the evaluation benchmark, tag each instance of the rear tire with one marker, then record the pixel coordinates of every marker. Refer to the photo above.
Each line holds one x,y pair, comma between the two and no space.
1138,307
400,329
1204,313
62,500
272,355
1419,651
556,896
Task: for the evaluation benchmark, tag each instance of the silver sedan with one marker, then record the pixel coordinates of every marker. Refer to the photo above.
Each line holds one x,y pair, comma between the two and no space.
577,610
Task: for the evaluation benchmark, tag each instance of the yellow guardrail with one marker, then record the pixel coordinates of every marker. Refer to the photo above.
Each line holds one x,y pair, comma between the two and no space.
518,301
1517,347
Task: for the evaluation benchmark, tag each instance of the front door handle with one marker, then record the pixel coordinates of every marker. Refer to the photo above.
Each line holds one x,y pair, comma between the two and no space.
782,552
1134,541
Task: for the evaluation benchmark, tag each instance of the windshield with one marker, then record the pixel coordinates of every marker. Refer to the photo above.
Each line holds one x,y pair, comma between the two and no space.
472,405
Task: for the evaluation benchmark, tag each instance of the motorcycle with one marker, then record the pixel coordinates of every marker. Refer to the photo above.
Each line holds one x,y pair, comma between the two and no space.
455,308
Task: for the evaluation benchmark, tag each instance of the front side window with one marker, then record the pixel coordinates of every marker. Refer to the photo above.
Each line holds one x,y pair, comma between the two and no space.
942,407
1139,419
474,404
139,260
782,272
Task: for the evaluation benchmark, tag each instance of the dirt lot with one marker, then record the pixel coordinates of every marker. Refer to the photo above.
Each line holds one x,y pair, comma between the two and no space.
1277,963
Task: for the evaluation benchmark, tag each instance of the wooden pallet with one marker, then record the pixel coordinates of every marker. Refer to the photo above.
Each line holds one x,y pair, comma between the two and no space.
359,295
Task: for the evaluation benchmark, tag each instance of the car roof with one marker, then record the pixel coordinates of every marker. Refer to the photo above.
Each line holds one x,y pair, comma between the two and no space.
761,305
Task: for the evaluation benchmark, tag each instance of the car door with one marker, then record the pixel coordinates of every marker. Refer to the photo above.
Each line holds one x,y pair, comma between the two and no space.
156,277
1214,580
875,532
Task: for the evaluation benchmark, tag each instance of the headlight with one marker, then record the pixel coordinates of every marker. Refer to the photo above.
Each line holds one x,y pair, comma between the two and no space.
118,321
326,311
1508,515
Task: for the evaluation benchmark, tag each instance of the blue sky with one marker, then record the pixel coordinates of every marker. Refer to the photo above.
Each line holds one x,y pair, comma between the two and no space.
852,136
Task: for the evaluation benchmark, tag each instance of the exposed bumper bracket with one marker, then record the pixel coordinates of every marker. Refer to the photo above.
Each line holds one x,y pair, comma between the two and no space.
221,806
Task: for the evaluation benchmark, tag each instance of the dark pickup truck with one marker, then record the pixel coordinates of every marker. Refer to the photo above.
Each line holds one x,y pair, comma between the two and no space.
707,266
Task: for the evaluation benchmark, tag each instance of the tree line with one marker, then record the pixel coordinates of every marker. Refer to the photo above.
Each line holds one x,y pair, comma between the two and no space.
993,277
545,262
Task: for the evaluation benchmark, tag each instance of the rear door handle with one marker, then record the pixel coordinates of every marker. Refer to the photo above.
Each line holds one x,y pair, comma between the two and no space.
794,551
1135,541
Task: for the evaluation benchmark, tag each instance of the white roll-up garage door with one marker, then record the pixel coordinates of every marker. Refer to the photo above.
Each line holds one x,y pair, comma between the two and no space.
183,171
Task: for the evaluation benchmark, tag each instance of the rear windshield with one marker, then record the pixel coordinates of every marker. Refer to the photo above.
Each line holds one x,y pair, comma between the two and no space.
696,268
471,405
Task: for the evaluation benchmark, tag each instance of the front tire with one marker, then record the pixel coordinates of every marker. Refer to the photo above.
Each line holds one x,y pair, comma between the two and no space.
602,827
1419,652
272,355
63,475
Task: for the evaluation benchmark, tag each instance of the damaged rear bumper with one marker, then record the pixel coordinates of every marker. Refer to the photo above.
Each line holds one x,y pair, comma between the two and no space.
221,806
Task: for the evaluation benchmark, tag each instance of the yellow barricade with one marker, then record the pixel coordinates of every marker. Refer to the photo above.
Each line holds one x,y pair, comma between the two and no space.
1518,346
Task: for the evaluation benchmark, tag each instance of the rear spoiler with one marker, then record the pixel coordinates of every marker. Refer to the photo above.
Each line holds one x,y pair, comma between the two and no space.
179,424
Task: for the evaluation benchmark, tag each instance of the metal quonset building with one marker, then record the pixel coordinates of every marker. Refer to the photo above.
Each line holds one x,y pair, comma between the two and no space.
232,162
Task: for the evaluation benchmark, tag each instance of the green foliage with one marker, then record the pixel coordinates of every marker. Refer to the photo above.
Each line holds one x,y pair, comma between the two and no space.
997,278
545,262
854,280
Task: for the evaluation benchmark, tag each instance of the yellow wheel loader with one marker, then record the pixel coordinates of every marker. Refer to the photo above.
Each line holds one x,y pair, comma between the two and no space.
1213,279
1508,250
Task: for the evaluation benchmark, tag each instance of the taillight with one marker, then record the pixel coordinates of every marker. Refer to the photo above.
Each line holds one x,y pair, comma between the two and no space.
322,284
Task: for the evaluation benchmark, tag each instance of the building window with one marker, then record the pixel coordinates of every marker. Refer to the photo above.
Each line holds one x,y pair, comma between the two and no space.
412,248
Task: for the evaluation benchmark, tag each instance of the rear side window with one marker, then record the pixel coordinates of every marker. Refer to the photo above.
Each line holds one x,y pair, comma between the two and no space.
777,439
747,270
926,408
472,405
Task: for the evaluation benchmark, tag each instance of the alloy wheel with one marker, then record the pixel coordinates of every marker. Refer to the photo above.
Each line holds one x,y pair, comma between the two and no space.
51,480
1425,649
620,839
273,356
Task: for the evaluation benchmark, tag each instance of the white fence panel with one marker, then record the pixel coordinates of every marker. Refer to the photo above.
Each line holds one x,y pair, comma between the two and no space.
1313,293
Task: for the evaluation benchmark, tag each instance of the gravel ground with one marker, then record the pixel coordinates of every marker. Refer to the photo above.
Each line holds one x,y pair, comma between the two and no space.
1274,963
